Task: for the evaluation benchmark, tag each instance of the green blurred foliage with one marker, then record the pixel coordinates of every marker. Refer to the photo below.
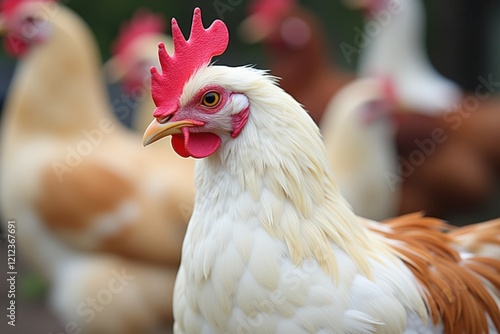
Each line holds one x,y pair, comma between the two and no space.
105,17
32,287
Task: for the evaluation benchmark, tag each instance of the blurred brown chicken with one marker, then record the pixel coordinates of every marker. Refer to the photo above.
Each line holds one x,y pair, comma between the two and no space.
99,216
449,134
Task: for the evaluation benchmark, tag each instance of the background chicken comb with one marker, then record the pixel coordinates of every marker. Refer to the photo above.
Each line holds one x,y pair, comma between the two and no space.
142,23
7,7
270,10
188,56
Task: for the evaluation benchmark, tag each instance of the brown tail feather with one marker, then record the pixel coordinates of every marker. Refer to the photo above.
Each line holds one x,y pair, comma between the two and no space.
479,239
459,292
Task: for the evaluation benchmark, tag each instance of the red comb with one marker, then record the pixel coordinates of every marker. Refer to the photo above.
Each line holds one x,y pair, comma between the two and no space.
198,50
143,23
7,7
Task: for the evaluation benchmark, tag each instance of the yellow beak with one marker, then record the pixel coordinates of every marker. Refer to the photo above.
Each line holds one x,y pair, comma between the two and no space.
156,130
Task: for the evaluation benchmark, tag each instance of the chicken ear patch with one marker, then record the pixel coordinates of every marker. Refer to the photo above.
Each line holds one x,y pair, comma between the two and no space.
196,145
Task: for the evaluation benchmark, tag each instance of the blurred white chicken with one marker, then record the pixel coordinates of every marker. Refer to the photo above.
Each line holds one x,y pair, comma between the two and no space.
397,52
459,174
89,200
134,52
272,246
358,132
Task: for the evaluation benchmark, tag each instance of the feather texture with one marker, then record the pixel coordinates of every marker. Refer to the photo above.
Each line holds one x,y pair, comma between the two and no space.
87,196
306,260
459,289
359,137
303,262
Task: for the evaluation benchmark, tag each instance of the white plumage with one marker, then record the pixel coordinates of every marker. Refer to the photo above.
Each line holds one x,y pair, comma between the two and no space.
239,250
359,136
88,199
397,52
272,246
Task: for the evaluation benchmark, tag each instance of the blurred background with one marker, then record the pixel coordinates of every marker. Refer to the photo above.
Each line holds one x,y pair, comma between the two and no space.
462,35
463,40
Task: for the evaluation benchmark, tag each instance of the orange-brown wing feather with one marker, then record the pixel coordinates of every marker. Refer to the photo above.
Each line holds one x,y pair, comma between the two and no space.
74,208
459,292
480,239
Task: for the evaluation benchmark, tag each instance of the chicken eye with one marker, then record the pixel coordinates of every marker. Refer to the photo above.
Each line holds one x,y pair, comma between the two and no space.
211,99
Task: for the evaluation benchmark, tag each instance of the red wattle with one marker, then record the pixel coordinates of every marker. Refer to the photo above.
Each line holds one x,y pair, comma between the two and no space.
197,145
201,144
15,46
178,145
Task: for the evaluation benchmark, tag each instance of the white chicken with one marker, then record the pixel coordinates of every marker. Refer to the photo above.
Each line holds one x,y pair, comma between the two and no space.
460,175
272,246
397,52
358,132
88,199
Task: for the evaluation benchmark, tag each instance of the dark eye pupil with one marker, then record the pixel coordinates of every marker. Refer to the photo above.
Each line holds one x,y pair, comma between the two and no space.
210,98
